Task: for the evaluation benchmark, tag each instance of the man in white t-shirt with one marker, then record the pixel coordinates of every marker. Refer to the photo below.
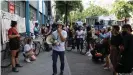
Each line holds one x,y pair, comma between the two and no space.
80,23
58,47
80,39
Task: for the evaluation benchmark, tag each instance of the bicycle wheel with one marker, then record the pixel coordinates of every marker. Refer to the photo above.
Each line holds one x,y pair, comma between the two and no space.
21,49
67,47
5,58
85,50
37,47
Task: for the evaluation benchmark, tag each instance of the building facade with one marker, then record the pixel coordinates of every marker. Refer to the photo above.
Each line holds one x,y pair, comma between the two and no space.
25,12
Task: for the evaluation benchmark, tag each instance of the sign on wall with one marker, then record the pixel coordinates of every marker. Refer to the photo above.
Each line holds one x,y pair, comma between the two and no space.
6,21
11,7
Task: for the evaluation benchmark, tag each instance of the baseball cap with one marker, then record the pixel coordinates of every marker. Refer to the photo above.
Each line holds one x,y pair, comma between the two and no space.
60,23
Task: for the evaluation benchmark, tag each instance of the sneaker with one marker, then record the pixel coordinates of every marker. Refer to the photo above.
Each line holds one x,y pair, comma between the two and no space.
106,68
27,60
104,65
15,69
18,65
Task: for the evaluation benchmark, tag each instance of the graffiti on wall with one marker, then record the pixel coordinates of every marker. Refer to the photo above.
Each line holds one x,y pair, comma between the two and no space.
6,21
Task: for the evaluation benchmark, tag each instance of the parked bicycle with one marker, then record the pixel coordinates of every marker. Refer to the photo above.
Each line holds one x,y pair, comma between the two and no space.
5,59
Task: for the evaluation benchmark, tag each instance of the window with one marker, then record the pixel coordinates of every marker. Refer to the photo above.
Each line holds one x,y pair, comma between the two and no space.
4,6
32,13
20,8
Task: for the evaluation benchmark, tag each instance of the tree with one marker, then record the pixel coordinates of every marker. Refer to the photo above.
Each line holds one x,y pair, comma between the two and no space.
64,7
92,10
122,9
95,10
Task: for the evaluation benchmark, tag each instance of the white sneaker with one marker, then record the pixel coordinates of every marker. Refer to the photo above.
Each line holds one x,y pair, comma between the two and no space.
27,60
106,68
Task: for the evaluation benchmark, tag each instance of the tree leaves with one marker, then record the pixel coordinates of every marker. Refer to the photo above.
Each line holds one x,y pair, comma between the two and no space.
71,5
122,9
92,10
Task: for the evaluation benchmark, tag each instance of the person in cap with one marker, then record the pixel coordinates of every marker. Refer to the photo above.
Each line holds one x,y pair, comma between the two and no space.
58,47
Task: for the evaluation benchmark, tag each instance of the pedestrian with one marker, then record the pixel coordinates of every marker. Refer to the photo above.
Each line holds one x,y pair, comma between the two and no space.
125,63
14,43
115,42
36,30
60,36
79,39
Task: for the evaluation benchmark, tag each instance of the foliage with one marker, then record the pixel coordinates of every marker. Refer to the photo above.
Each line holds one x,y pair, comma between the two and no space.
71,5
122,9
92,10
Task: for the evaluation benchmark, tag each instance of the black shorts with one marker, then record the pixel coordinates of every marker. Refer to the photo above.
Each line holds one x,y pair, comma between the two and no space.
14,45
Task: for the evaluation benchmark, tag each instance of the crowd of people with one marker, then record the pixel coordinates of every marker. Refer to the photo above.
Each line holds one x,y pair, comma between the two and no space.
113,44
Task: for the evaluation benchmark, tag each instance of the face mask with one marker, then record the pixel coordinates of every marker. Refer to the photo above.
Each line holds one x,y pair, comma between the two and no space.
124,33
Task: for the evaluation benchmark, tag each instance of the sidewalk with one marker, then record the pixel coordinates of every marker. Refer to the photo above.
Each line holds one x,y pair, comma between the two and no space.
42,66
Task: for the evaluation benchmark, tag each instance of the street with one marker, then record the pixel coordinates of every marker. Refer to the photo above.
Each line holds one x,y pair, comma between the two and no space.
83,65
75,64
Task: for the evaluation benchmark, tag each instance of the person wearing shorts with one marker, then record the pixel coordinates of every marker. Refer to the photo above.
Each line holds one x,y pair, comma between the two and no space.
14,43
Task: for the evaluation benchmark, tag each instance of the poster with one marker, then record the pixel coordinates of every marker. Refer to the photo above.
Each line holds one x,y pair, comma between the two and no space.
6,21
0,37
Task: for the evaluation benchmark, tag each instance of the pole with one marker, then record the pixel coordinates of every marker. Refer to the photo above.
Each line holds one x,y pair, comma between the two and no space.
27,18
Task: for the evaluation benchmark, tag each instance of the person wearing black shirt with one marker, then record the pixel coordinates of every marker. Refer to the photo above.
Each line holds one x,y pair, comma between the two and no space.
115,42
126,61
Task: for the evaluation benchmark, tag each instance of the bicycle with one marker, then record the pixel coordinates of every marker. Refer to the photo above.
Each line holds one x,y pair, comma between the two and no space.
6,57
68,46
38,45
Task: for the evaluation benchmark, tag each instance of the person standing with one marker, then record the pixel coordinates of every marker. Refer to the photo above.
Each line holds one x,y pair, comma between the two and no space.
125,63
36,30
14,43
115,42
58,47
79,39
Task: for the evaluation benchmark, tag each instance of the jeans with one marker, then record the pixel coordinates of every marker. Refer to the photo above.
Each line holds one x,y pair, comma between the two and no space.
79,42
55,57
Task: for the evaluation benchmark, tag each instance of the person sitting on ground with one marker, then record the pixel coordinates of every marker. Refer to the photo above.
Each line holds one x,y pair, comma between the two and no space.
28,51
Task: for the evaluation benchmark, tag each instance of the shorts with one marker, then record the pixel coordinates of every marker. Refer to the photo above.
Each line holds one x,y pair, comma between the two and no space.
14,45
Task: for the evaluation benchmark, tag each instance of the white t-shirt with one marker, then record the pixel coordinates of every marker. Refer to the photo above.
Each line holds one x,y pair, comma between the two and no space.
61,46
80,34
80,23
27,48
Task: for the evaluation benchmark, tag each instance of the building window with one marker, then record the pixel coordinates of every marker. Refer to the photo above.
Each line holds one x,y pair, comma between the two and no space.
20,8
40,16
32,13
4,6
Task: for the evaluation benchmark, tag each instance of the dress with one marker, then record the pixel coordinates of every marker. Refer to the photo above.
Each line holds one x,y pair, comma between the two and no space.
14,43
115,52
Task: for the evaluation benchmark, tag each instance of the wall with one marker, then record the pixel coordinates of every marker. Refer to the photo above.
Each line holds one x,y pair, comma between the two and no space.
0,28
40,6
6,21
33,3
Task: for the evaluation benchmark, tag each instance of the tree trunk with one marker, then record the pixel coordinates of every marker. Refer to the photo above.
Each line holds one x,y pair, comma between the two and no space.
125,20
